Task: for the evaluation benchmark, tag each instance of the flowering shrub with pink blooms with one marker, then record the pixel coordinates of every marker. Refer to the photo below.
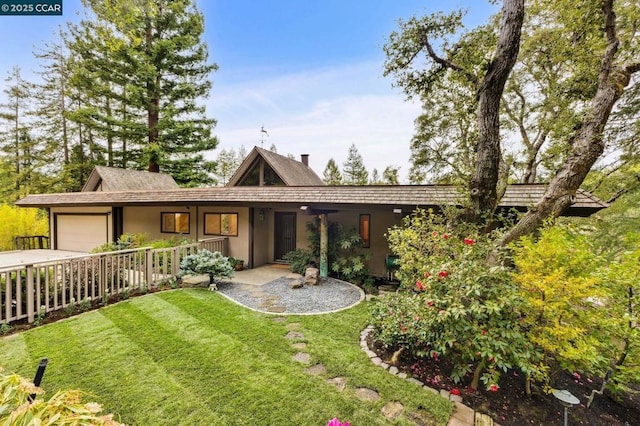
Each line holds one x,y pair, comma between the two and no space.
458,302
336,422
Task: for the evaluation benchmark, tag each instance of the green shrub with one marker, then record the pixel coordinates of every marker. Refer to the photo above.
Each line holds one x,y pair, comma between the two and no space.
457,302
63,408
205,262
300,260
17,221
558,276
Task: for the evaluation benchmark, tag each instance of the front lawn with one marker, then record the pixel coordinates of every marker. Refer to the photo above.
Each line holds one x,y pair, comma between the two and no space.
192,357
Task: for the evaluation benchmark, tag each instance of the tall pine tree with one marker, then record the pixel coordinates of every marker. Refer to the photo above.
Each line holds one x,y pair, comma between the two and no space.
143,69
353,170
332,174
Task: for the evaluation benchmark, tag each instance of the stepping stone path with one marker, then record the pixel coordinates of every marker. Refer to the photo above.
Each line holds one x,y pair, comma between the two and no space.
294,335
462,414
392,410
339,382
269,302
316,370
302,357
367,394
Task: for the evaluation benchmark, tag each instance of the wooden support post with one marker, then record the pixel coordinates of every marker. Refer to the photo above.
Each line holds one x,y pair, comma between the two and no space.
30,288
324,246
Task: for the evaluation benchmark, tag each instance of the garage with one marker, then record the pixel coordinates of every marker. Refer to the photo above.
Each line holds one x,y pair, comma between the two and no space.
80,231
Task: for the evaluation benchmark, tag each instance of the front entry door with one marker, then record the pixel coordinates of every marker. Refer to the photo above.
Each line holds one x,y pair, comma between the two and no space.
285,234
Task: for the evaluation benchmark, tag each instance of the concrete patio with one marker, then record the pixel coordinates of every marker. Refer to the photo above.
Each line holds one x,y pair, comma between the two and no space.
29,257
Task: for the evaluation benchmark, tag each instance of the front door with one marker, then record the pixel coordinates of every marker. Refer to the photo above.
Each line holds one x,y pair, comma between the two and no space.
285,234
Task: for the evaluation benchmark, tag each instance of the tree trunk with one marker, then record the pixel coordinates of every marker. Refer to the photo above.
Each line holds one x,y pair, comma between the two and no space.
587,145
153,106
488,157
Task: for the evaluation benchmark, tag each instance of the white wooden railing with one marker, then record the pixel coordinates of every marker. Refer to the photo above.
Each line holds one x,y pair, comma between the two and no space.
54,285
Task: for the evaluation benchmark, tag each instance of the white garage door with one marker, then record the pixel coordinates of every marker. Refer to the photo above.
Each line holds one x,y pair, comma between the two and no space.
81,232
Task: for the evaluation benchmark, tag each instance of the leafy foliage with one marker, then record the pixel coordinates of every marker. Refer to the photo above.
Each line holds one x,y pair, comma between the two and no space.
458,302
300,260
15,221
206,262
558,276
131,241
63,408
350,261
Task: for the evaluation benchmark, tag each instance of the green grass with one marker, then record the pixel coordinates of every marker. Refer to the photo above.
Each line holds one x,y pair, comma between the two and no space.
192,357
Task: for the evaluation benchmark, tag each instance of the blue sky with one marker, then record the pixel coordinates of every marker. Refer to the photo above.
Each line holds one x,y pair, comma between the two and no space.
310,72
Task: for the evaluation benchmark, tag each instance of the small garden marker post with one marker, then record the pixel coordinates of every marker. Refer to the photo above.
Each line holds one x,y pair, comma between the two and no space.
39,374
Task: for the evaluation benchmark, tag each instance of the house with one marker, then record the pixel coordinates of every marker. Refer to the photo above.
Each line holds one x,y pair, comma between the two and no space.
262,211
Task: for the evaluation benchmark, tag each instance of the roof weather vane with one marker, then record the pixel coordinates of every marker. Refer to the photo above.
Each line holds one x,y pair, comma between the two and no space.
262,133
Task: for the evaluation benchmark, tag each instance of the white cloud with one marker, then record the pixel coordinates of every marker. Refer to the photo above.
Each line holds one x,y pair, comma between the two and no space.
320,113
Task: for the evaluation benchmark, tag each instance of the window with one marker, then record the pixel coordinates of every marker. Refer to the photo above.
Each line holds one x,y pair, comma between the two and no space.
365,228
221,224
174,223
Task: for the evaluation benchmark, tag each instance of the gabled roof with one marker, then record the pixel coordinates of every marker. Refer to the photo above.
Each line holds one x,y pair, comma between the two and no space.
406,197
291,172
109,179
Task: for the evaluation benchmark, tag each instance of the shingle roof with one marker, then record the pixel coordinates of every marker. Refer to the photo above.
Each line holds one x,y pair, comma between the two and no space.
115,179
398,196
292,172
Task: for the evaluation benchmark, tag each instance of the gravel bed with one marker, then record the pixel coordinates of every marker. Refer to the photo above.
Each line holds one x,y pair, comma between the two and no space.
330,295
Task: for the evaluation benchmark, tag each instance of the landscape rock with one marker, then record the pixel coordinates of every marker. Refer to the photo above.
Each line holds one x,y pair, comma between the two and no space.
311,276
297,283
195,280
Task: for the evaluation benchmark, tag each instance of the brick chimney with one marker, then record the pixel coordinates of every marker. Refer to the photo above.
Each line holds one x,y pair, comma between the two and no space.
305,159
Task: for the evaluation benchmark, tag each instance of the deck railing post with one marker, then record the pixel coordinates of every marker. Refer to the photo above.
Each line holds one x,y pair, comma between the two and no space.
148,256
30,294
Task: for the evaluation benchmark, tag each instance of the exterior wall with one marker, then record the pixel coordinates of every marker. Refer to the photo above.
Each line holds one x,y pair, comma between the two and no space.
77,210
262,233
147,220
238,246
381,221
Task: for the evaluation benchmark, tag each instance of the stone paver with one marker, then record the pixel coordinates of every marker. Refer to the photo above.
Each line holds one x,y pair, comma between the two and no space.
294,335
367,394
393,370
464,414
300,346
276,309
422,418
302,357
392,410
316,370
339,382
292,326
483,420
279,319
